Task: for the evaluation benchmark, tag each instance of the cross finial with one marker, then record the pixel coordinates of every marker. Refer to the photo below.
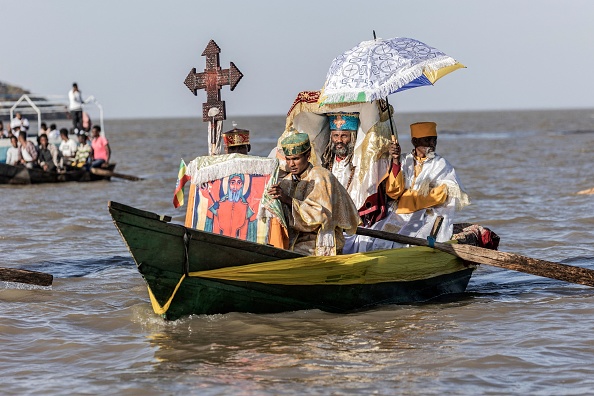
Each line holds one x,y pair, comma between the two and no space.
212,79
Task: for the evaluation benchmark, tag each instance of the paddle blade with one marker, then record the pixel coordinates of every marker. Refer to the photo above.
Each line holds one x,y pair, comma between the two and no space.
25,276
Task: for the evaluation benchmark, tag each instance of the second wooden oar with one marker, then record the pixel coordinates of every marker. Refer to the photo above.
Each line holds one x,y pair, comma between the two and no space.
108,173
511,261
25,276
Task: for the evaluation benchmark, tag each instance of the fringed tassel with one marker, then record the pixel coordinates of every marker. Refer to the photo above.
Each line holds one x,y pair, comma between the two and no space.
204,169
326,243
425,188
454,192
395,82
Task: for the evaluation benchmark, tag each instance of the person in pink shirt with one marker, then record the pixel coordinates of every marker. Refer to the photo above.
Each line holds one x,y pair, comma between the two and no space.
101,150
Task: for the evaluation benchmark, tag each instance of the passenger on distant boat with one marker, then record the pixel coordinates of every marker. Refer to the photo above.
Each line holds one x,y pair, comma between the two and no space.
19,122
67,148
84,152
53,134
237,141
101,149
43,129
86,121
318,208
75,106
3,131
12,154
48,158
424,185
27,151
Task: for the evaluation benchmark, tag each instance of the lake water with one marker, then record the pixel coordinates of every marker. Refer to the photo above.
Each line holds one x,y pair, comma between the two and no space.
94,332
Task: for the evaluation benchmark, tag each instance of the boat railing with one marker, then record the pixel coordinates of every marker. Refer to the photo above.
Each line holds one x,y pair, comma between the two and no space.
46,104
93,101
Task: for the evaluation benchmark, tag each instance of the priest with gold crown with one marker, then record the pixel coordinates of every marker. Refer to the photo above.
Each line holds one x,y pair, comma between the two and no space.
317,206
237,141
424,185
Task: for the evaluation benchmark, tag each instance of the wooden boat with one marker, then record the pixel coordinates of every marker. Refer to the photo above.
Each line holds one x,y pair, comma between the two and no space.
10,174
188,271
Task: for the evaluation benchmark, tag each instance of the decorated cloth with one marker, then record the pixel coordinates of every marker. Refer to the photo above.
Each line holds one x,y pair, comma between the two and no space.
370,158
320,211
476,235
423,190
226,198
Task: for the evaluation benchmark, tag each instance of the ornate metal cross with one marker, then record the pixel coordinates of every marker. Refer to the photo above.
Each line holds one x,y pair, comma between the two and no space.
212,80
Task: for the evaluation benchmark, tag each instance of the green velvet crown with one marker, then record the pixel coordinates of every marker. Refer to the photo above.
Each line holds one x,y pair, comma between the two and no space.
296,144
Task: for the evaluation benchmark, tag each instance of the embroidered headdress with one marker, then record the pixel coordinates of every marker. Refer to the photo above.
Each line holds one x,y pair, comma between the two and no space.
343,121
236,137
296,144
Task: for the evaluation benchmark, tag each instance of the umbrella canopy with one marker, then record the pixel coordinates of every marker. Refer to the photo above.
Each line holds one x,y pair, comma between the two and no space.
376,68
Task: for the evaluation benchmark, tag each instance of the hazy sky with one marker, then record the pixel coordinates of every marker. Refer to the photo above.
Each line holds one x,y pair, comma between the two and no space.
134,55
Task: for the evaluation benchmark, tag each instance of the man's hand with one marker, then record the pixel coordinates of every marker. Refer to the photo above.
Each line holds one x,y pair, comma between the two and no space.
395,152
277,193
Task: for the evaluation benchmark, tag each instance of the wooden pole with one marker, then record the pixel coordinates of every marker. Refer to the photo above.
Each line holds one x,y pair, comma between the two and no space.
25,276
108,173
511,261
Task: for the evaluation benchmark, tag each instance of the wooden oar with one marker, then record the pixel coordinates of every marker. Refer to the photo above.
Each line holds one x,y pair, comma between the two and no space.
511,261
108,173
25,276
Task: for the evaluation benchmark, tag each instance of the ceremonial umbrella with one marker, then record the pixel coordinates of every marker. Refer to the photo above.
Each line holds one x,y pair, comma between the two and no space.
377,68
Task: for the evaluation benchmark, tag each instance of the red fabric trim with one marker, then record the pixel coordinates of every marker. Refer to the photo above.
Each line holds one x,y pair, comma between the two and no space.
305,97
395,169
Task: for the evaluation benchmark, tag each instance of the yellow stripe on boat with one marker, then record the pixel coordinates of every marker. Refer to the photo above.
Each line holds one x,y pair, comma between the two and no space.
394,265
160,310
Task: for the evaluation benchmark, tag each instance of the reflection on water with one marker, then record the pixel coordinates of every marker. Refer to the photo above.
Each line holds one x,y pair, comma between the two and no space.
94,330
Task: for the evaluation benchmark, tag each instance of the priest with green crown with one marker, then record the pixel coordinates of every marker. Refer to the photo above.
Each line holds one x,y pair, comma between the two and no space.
317,206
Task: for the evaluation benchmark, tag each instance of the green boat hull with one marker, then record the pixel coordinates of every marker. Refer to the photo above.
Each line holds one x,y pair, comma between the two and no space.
168,254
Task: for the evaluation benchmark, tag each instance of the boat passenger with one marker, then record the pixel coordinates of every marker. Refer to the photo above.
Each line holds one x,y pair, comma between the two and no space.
48,158
3,131
43,129
84,152
19,122
237,141
27,151
86,122
53,134
424,186
75,106
67,147
340,158
12,154
318,208
101,149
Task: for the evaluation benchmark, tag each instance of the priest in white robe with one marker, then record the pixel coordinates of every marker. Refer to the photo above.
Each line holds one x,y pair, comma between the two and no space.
424,185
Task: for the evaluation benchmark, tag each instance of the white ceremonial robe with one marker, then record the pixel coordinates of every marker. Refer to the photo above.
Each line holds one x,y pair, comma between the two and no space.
435,172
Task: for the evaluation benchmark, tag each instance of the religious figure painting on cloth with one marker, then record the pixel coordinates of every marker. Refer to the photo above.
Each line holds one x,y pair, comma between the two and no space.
231,215
227,196
229,206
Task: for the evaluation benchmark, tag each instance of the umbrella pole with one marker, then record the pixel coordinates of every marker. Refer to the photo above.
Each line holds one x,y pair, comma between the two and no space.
392,128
